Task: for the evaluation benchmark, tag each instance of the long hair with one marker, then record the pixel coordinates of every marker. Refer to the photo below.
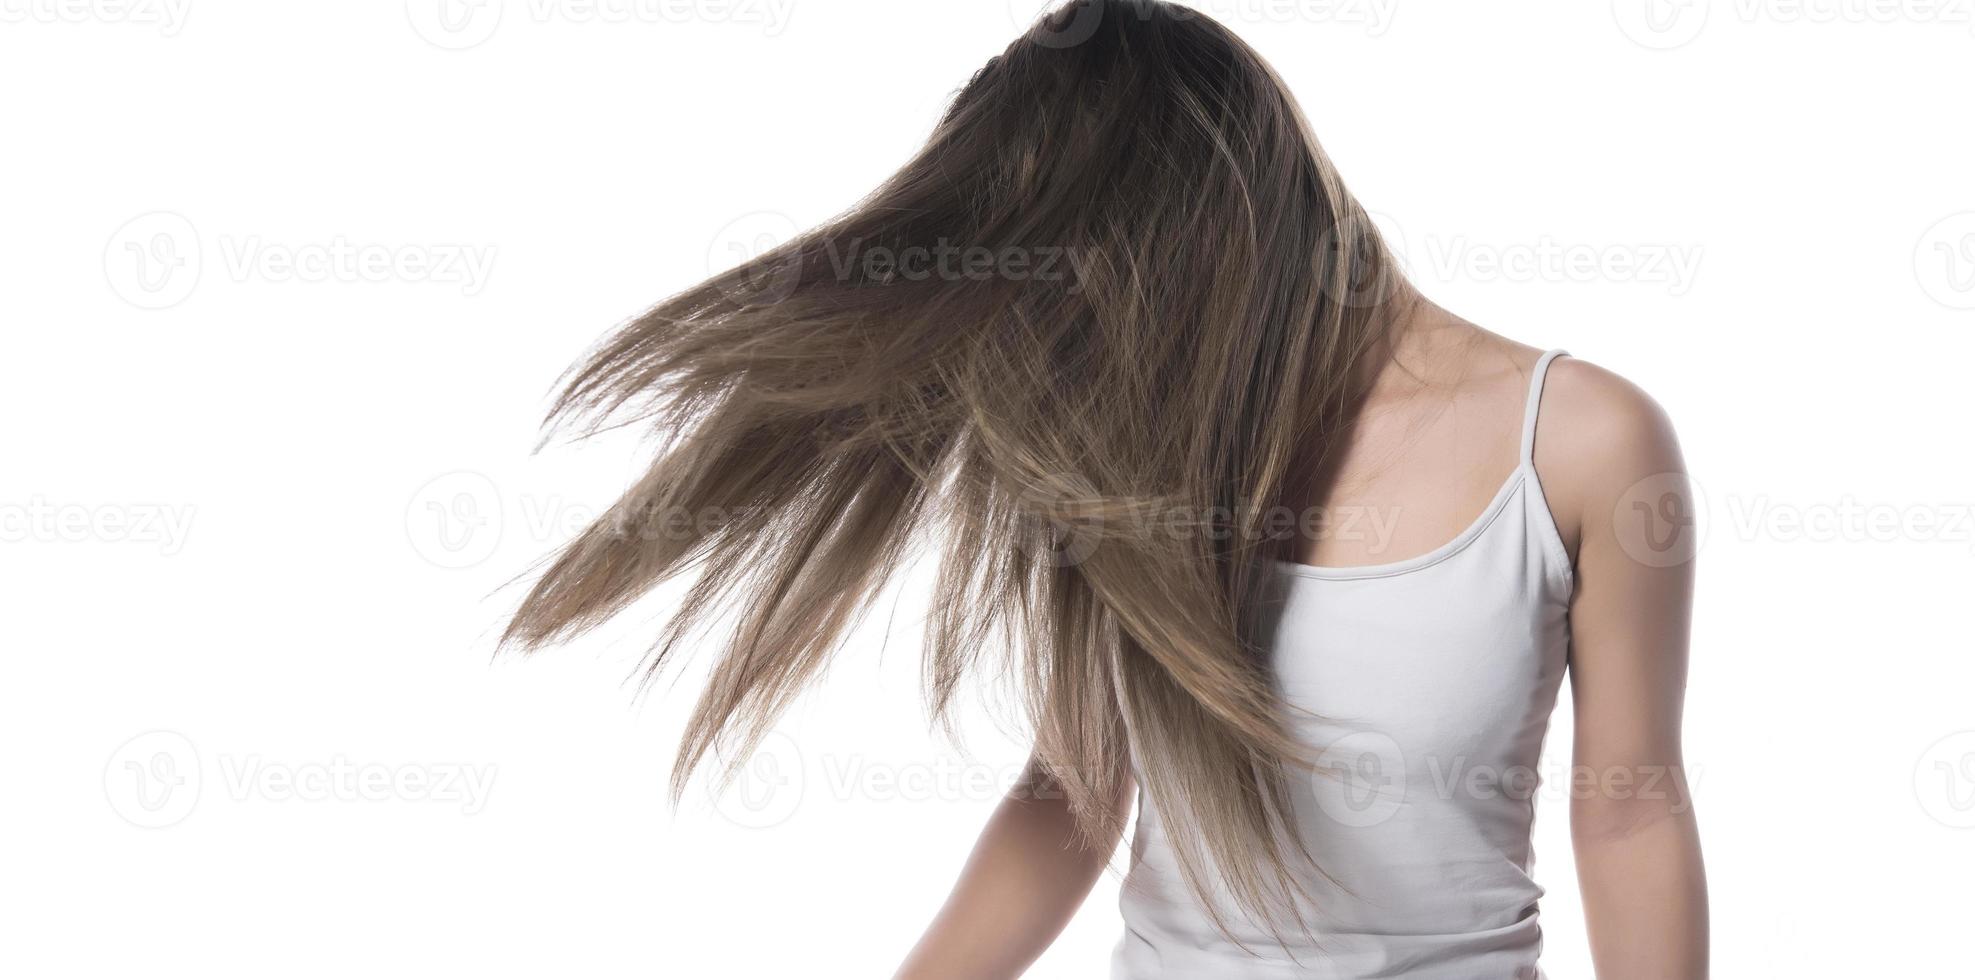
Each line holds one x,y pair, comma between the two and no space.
1077,345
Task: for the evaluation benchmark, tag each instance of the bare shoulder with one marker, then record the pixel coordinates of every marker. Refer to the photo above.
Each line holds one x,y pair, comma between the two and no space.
1598,436
1586,406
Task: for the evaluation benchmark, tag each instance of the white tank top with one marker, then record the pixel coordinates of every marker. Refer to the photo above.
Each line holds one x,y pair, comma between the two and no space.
1432,682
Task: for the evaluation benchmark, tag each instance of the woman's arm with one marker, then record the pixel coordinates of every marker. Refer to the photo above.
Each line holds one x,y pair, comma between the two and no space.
1632,820
1024,881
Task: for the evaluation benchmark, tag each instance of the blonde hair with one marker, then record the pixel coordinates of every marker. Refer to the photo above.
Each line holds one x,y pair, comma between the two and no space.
1199,341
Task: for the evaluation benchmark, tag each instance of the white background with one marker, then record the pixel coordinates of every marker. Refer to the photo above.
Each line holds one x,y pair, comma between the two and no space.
271,519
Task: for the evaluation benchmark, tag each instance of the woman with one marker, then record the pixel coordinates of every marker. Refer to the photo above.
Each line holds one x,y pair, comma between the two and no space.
1271,544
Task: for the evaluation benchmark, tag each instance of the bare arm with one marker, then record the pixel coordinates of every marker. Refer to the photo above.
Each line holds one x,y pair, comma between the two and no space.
1023,882
1622,495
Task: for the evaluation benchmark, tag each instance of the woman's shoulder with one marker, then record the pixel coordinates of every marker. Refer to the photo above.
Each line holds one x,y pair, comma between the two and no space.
1600,438
1592,414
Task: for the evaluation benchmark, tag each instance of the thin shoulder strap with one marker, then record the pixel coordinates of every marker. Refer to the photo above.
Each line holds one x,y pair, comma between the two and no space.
1534,402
